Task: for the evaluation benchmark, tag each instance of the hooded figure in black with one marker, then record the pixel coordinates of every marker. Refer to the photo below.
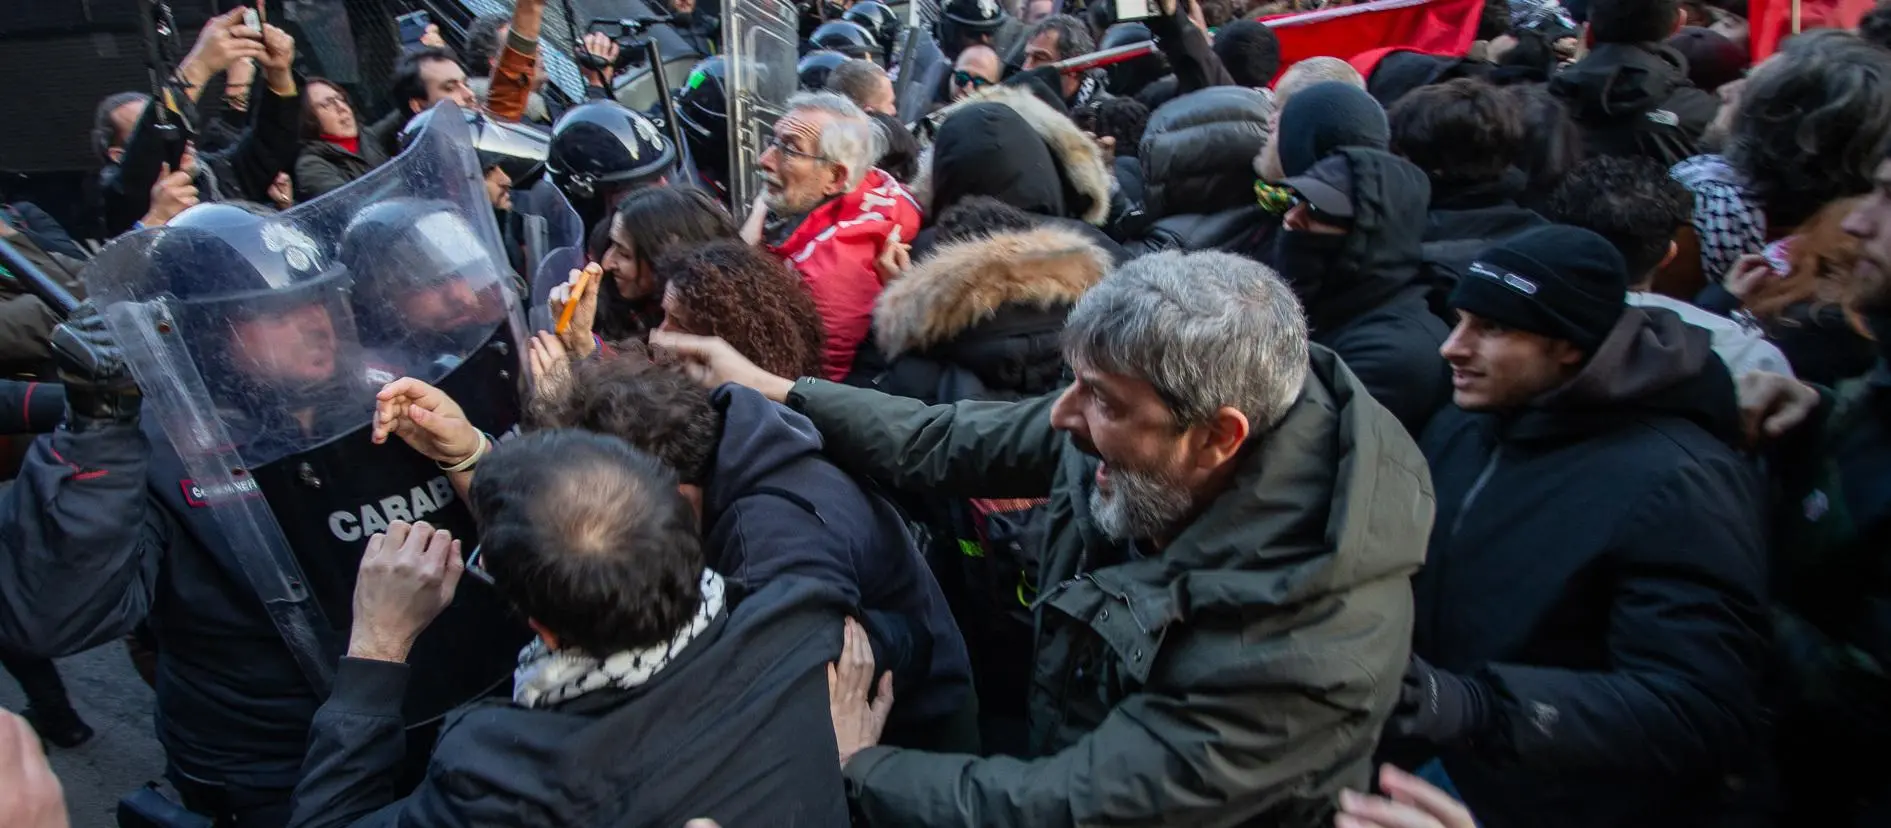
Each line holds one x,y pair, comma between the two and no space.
1351,251
1007,144
1197,167
1590,626
1631,94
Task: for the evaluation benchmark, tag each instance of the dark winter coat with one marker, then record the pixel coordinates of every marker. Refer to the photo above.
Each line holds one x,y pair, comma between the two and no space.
1373,304
1236,678
324,167
735,729
1466,219
1197,167
1636,99
1599,561
1033,158
774,506
244,172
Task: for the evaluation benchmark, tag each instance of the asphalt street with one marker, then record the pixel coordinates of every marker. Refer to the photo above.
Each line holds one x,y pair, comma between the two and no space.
124,754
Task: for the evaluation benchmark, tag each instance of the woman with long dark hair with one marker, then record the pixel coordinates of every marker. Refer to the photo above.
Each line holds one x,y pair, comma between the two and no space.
650,223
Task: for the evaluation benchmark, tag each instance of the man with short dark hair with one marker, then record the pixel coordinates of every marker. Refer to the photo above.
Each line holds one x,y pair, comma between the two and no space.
1639,208
422,78
1631,94
1061,37
1467,136
1590,616
1250,51
654,693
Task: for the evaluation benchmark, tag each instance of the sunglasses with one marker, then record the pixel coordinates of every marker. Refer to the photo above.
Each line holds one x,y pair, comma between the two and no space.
961,77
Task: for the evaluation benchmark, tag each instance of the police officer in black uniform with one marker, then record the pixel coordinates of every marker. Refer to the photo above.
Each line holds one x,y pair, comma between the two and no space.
108,526
703,109
602,150
814,68
965,23
882,23
848,38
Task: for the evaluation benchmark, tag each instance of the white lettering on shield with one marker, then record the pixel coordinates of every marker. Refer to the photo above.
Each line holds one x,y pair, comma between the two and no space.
351,525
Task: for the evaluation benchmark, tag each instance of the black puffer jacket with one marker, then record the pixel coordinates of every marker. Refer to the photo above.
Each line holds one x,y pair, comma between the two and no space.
1372,301
1598,561
1635,99
1197,167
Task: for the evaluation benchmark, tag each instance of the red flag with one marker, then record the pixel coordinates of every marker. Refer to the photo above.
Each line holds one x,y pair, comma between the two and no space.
1438,27
1771,21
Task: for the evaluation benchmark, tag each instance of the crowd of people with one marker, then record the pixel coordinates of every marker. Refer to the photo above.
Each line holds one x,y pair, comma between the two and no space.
1378,441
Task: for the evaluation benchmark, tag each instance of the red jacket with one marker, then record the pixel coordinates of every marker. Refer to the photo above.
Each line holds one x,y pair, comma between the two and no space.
833,249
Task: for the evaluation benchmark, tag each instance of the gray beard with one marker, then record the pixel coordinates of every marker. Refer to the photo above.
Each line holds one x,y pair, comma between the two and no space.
1141,505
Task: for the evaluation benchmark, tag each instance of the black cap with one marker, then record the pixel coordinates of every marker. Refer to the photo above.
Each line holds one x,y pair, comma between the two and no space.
1327,187
1559,281
1327,116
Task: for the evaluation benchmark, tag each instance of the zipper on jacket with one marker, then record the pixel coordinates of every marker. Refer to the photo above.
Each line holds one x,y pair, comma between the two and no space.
1477,488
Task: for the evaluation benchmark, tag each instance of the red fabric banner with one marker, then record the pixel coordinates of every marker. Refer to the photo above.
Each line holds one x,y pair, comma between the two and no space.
1438,27
1771,21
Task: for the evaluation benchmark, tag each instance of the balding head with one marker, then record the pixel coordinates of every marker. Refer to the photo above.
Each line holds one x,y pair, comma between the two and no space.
1311,71
590,539
978,62
1306,73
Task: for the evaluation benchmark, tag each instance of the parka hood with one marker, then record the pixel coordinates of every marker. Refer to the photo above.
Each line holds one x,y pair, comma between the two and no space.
964,284
1620,81
1652,364
993,157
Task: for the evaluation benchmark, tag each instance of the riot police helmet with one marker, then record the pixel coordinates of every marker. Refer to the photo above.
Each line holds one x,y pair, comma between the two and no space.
963,22
261,301
601,146
239,261
703,103
814,69
879,21
420,268
846,37
517,149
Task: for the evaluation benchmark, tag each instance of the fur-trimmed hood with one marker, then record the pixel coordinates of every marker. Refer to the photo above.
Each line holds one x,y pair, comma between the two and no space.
1080,166
965,284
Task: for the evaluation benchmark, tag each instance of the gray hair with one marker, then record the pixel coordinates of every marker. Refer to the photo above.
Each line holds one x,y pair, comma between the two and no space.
1073,35
1206,329
849,138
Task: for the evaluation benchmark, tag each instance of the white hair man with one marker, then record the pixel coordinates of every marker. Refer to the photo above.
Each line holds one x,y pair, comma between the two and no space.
830,213
1223,603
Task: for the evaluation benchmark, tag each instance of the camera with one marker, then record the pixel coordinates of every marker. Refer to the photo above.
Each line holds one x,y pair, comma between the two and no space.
628,33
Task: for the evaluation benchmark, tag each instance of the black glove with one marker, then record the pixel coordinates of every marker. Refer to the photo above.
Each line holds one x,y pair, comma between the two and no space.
99,388
1439,707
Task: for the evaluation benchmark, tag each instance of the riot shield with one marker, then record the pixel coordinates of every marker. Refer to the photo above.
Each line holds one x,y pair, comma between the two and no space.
260,340
921,74
554,245
762,48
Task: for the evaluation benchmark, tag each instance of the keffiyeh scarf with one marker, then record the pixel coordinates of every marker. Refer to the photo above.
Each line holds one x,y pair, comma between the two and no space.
545,678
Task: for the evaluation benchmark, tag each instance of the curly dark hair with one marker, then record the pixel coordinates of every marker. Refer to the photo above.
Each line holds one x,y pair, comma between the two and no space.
1124,119
1632,202
648,402
1812,125
751,300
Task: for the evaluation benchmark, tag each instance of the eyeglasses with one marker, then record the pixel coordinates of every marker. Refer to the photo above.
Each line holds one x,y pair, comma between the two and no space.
961,77
473,568
784,149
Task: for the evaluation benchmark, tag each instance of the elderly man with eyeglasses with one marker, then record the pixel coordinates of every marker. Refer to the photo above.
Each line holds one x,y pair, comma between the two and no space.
830,214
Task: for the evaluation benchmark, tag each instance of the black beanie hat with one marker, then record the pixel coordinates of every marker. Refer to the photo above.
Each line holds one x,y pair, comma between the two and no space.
1327,116
1559,281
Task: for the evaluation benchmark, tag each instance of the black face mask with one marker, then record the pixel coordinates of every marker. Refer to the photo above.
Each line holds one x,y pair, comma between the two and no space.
1306,260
